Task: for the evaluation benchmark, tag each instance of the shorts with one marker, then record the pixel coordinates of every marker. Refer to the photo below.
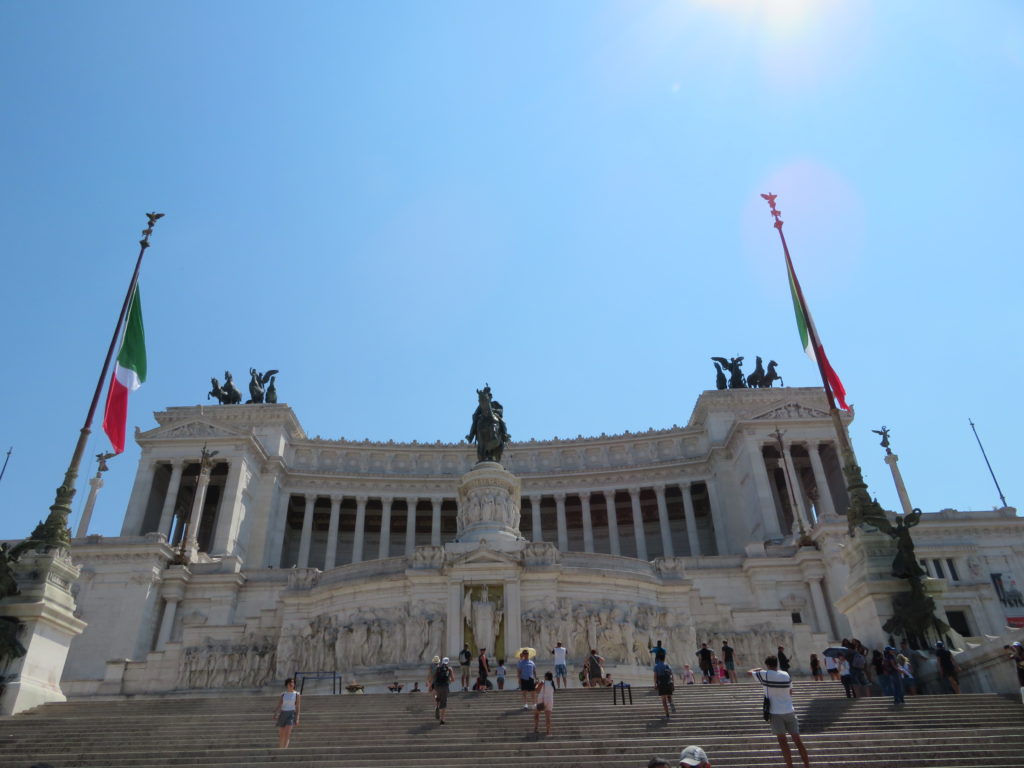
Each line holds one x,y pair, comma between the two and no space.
666,690
782,724
857,677
441,696
561,670
527,685
730,665
286,718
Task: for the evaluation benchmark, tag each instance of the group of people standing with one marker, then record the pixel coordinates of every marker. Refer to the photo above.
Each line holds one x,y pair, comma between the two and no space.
718,669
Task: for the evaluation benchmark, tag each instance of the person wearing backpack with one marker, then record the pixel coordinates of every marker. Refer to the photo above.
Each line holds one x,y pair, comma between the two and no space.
443,677
465,660
664,682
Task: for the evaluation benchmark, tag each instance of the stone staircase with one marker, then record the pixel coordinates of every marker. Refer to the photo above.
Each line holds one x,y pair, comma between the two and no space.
384,730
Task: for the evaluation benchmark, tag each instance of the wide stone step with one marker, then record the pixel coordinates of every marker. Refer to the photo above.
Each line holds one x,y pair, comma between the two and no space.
379,731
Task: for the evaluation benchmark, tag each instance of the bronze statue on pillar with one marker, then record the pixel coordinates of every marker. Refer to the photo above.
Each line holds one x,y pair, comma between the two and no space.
488,427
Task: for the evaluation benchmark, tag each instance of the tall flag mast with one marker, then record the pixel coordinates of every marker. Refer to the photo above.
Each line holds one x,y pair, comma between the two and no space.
861,504
54,532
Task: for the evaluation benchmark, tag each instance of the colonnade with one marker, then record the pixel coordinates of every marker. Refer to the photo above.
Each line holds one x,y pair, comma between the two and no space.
659,521
792,491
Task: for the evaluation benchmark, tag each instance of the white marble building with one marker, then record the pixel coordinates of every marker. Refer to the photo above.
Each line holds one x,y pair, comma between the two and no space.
369,558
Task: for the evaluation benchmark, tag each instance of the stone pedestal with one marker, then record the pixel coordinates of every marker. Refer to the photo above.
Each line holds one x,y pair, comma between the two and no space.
867,603
489,506
45,608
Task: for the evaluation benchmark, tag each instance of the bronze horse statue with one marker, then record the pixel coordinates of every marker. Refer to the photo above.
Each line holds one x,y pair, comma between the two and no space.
488,429
226,395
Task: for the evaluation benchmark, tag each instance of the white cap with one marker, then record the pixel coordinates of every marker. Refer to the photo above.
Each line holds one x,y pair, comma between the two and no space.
693,755
445,660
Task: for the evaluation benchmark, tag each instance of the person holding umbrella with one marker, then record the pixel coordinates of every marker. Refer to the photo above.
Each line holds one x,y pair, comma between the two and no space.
527,671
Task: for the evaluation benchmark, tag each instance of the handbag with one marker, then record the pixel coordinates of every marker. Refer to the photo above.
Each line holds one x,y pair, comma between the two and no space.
766,709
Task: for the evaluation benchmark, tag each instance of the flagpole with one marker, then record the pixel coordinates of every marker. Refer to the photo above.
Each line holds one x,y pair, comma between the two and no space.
54,531
985,455
862,506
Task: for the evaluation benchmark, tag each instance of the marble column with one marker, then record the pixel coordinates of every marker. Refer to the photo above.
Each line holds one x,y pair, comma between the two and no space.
513,618
666,531
588,523
765,498
410,526
563,533
360,532
813,574
453,624
95,483
384,548
192,536
826,506
535,511
167,512
307,531
139,499
331,557
274,556
435,521
721,540
638,524
613,523
228,511
793,481
691,520
167,622
821,608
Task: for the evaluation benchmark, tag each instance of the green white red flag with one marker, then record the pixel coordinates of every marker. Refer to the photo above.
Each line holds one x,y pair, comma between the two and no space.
129,373
808,335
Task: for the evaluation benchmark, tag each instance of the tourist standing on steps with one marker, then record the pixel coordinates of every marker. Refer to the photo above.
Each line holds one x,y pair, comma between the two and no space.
561,665
729,659
545,703
1017,657
891,672
527,672
287,713
783,660
704,662
444,676
500,674
594,673
816,668
832,667
659,650
778,689
948,668
664,683
465,660
483,670
687,674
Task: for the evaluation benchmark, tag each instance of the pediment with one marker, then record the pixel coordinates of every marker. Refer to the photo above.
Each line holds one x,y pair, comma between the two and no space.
484,556
189,430
789,412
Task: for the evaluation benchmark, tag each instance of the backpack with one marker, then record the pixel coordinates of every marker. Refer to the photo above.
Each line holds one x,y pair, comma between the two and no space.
465,656
665,675
441,676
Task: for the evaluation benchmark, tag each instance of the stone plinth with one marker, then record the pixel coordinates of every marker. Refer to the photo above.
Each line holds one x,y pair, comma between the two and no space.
45,608
489,507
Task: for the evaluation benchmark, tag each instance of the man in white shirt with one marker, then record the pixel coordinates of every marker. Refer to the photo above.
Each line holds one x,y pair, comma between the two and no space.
778,689
561,668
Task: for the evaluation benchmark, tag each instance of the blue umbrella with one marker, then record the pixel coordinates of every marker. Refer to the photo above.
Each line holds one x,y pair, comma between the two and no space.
836,651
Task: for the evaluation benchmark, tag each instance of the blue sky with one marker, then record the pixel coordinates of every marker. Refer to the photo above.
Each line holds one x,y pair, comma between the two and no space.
394,202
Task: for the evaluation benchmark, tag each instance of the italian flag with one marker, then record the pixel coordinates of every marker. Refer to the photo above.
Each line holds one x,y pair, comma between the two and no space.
129,373
805,324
